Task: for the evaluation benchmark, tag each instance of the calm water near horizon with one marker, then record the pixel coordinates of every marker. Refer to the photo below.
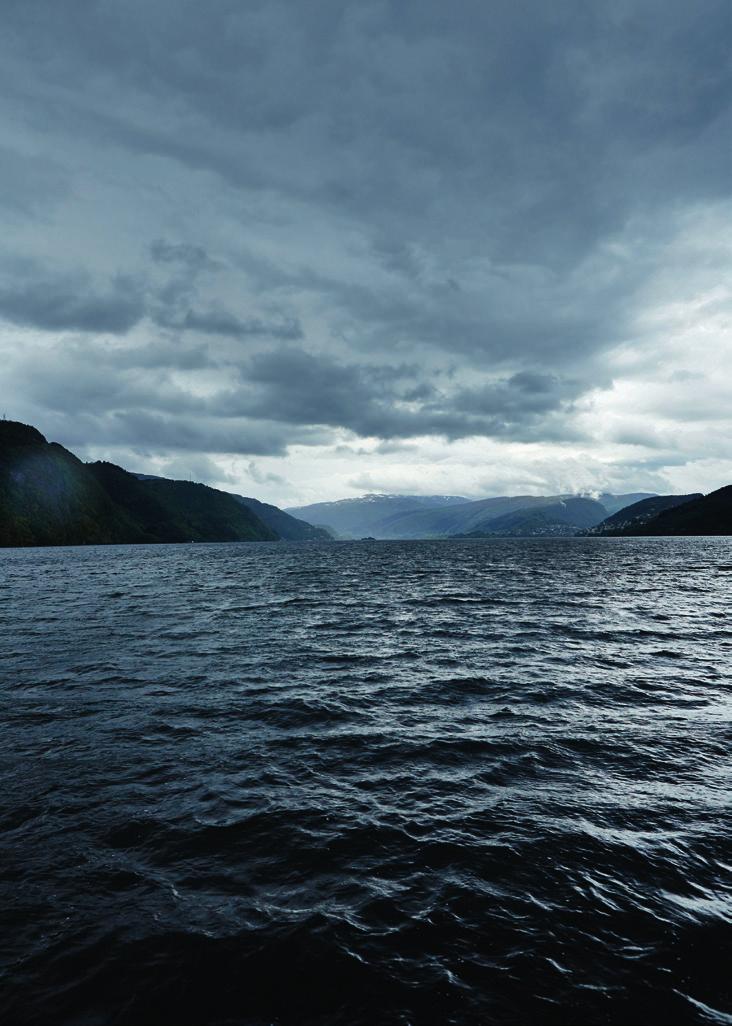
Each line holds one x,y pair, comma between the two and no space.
393,782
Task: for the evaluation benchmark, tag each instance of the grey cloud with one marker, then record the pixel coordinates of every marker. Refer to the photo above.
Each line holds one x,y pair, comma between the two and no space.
169,305
222,322
106,397
159,354
264,476
393,219
646,436
300,388
35,297
412,115
29,184
196,467
525,394
293,386
181,253
175,431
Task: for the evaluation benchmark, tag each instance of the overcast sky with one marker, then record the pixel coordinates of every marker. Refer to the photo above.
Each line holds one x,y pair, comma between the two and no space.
304,250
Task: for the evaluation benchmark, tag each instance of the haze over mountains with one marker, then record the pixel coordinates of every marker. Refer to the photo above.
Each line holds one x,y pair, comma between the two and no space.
367,514
437,516
523,516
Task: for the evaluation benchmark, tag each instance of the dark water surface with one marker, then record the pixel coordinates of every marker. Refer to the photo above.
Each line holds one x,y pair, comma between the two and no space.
367,783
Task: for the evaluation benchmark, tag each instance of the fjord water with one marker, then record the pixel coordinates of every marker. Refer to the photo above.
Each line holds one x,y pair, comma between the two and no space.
419,782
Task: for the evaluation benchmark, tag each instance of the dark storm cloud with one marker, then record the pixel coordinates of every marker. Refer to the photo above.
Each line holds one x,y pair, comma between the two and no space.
292,386
445,213
542,113
194,257
523,394
36,297
169,307
150,434
178,430
120,395
222,322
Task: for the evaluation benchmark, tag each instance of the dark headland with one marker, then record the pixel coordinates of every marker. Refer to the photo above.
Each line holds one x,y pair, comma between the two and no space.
50,497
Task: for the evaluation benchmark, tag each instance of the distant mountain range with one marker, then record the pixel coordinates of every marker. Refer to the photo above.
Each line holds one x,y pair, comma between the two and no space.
441,516
353,518
557,519
522,516
50,497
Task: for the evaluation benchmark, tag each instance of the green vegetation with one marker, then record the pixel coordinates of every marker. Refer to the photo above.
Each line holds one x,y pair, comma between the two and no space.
49,497
446,516
708,514
558,519
635,518
287,527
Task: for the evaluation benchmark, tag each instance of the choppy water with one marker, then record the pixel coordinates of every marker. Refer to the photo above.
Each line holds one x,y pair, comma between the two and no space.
367,783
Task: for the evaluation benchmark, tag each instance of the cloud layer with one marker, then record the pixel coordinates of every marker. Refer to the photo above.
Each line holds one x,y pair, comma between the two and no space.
306,246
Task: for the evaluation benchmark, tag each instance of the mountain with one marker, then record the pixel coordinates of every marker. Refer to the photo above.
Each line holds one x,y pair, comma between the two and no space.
638,514
286,526
709,514
462,518
353,518
440,516
180,510
613,503
558,519
49,497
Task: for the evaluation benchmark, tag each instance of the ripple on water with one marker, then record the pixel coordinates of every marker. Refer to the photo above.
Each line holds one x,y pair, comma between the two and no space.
407,783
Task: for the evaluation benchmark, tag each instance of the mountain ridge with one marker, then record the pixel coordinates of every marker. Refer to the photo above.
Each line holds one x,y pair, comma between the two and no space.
288,528
48,496
555,520
709,514
354,517
441,516
638,514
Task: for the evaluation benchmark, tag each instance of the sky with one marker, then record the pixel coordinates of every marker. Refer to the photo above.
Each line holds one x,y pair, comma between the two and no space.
304,251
